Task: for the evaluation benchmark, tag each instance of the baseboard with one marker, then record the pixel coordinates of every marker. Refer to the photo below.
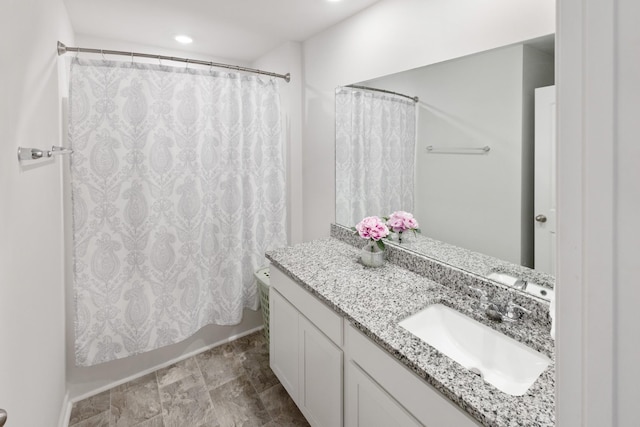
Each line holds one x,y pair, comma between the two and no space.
65,411
155,368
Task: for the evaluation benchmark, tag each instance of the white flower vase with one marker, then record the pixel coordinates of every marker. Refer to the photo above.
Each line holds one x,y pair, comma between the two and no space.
371,255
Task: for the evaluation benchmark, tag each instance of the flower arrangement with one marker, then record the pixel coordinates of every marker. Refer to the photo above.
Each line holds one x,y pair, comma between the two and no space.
401,221
374,229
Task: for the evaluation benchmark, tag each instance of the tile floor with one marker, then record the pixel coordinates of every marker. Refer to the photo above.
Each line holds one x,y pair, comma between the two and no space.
230,385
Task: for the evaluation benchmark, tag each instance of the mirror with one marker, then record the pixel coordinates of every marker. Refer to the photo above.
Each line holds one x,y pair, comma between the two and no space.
461,158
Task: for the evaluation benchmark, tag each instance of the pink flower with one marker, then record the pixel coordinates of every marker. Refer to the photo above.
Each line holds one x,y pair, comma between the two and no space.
400,221
372,228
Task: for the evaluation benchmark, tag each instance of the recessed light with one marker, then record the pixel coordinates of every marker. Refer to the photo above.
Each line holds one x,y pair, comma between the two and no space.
183,39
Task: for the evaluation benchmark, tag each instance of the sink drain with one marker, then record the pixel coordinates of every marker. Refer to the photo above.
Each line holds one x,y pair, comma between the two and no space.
477,372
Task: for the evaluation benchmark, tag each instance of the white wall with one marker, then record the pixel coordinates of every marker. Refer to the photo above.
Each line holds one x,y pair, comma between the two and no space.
94,42
32,358
392,36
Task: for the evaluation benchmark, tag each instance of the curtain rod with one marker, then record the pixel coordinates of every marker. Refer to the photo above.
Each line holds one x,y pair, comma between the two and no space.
413,98
62,49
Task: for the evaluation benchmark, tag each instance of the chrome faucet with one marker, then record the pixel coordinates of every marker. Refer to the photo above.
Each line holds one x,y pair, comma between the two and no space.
499,312
520,284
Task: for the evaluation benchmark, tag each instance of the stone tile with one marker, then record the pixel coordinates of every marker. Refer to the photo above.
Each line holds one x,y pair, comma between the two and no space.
153,422
237,404
134,383
256,366
186,403
177,371
255,360
285,420
281,407
220,365
89,407
134,403
100,420
179,395
252,341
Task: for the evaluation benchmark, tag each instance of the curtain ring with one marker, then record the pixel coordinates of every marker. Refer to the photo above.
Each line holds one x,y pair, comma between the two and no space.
131,58
186,67
102,53
159,61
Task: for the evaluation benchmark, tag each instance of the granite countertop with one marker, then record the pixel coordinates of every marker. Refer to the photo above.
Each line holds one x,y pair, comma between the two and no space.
375,300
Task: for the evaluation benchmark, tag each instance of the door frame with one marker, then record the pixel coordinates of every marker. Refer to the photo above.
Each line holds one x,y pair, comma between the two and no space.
586,43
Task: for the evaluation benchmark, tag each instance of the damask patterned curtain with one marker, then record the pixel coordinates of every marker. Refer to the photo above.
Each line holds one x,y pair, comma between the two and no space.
375,154
178,189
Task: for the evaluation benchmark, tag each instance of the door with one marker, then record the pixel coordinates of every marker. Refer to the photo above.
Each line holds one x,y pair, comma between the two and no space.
320,377
369,405
545,180
283,342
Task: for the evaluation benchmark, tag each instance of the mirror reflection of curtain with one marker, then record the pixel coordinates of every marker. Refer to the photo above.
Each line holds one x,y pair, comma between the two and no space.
375,154
178,189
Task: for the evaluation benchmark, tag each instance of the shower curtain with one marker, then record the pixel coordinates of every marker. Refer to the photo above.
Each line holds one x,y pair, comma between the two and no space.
375,152
178,189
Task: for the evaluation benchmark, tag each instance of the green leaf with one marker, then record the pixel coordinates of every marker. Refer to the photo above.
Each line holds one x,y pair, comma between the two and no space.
380,244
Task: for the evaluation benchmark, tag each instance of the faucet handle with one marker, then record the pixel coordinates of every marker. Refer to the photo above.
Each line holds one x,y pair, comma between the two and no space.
481,292
515,311
484,296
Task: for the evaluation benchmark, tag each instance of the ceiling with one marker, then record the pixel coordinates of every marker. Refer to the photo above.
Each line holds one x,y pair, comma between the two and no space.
240,30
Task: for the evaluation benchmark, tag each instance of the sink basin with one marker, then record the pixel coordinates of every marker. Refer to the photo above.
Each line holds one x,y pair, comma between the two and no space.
507,364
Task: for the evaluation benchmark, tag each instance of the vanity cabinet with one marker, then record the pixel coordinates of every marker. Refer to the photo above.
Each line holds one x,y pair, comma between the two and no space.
305,352
317,355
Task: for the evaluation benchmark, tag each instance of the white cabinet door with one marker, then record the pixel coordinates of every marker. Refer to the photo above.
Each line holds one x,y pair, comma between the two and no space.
368,405
283,347
320,377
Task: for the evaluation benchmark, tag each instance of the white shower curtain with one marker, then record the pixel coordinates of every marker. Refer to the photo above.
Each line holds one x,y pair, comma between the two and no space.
178,189
375,152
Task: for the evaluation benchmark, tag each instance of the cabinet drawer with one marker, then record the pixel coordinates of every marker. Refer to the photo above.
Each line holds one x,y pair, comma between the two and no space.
317,312
422,400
